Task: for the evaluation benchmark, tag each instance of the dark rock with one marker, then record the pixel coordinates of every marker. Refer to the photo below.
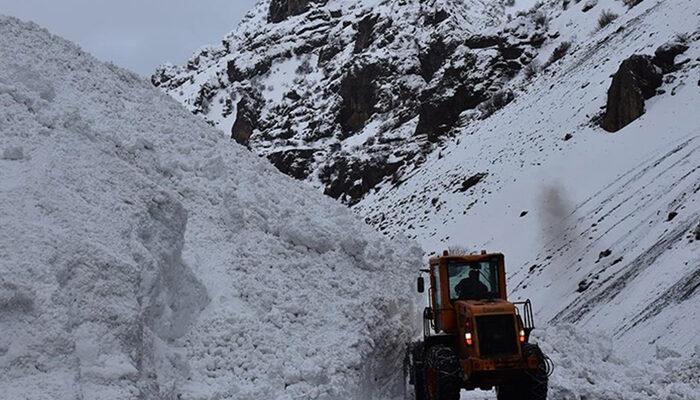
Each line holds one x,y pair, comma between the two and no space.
635,81
438,115
665,56
483,41
203,99
537,40
283,9
295,163
234,73
440,109
359,96
524,213
568,137
511,52
436,17
160,77
247,116
671,216
262,67
697,232
365,28
604,253
471,182
434,58
293,95
328,52
583,286
589,6
350,179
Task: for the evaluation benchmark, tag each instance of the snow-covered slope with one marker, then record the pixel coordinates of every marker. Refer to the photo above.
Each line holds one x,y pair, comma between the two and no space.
601,230
143,256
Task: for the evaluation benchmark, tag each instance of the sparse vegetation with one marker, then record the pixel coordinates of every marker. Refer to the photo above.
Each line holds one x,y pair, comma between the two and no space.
531,70
682,38
606,18
457,251
540,18
559,53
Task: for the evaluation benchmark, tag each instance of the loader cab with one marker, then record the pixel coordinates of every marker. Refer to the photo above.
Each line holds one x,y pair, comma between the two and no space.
449,276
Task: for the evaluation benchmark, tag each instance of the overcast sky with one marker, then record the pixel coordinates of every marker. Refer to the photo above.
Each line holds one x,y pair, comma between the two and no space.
136,34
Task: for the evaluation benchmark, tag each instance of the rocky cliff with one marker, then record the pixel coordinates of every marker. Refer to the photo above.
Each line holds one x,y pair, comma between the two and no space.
350,94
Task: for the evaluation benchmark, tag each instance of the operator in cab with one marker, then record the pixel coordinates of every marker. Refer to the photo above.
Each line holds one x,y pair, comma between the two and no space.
472,288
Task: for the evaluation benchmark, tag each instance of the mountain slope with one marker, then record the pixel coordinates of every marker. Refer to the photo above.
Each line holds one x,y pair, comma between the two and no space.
144,256
489,137
600,229
348,94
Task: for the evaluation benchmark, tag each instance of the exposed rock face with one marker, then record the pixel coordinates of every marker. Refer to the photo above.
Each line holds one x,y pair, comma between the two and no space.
349,179
359,96
434,58
246,119
635,81
367,82
295,163
365,29
282,9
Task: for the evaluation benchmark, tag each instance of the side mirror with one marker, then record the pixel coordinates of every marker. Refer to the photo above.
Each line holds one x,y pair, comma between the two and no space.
421,284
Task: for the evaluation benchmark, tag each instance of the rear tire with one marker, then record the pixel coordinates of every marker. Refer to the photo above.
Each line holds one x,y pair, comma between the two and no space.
443,374
533,385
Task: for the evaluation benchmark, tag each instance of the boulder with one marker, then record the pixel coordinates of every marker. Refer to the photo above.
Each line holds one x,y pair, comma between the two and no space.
665,55
635,81
247,117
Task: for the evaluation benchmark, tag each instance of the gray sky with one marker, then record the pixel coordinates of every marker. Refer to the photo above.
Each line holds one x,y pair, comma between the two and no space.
136,34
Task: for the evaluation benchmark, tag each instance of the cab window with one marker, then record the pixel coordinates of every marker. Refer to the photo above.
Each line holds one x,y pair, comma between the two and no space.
473,280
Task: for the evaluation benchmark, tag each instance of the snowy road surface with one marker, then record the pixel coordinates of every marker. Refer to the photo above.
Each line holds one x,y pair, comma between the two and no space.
588,367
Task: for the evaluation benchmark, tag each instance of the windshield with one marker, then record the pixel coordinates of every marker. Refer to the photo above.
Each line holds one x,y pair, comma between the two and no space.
473,281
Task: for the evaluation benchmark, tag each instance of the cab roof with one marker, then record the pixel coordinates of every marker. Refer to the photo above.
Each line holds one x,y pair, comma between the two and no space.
474,257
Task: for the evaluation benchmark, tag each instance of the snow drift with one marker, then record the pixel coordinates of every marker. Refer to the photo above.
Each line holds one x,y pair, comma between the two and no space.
143,255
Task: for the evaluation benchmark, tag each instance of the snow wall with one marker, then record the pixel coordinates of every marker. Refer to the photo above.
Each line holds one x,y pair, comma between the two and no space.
144,255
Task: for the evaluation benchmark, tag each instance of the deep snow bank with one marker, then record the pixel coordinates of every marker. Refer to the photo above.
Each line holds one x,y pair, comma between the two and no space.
142,255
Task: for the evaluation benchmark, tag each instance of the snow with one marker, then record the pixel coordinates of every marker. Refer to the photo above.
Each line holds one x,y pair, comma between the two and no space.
557,192
583,196
588,366
145,256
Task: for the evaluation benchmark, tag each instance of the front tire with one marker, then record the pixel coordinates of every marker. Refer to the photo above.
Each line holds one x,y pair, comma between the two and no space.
416,372
443,374
533,385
